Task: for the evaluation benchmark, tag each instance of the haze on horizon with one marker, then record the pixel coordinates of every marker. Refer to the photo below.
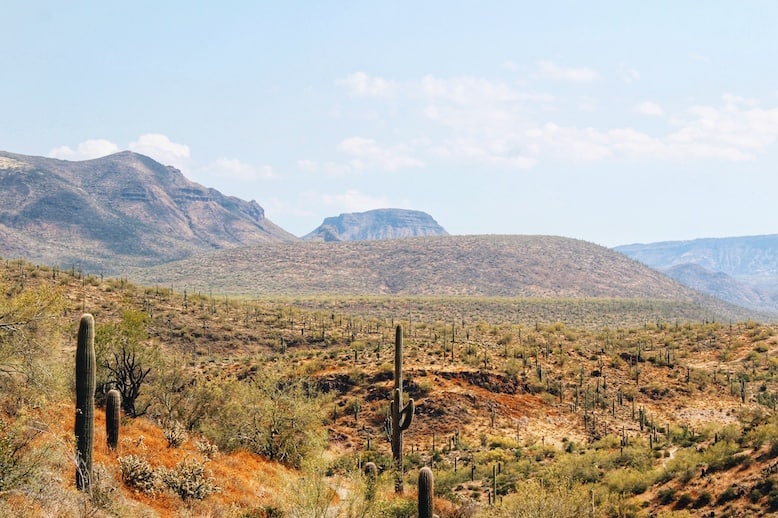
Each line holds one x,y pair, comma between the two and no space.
613,122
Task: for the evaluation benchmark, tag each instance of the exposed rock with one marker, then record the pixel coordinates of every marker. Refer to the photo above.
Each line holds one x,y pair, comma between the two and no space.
377,224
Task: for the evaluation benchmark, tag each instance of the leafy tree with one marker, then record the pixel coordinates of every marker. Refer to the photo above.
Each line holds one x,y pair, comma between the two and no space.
280,418
180,394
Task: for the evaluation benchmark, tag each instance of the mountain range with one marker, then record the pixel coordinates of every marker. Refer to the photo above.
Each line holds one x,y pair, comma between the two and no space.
740,270
128,213
119,210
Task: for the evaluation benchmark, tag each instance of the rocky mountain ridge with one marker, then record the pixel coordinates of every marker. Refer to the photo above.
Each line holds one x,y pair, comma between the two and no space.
121,210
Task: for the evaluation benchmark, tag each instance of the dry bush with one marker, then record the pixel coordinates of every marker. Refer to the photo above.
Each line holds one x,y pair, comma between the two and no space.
139,475
175,434
189,480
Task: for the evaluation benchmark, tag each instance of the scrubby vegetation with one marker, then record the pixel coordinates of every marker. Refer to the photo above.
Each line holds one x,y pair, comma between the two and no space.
262,408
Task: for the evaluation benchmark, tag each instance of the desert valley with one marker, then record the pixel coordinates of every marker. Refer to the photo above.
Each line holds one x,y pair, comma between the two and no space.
258,372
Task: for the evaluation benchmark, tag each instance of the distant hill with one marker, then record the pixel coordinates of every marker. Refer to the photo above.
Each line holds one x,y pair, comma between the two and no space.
722,286
376,224
750,263
120,210
484,266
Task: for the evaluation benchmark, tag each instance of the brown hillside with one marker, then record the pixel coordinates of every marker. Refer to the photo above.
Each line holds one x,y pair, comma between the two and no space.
537,267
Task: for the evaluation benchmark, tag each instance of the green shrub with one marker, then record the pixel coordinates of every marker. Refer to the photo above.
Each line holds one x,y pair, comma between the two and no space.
772,501
704,499
666,496
684,501
628,480
18,462
731,493
773,451
277,417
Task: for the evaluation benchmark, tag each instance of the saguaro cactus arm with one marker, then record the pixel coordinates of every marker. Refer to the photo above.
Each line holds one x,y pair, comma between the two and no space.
406,415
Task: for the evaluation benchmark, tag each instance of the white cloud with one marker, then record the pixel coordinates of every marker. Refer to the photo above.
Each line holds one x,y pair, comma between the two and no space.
703,132
551,70
367,153
163,150
354,201
508,152
235,169
510,66
732,100
483,121
629,75
649,108
731,133
466,90
86,150
699,58
469,90
587,104
309,166
361,85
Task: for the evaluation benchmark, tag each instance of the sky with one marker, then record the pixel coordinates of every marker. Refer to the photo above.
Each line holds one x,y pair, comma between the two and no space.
615,122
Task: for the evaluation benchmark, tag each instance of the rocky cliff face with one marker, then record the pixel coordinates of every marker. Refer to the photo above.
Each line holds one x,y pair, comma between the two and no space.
121,210
377,224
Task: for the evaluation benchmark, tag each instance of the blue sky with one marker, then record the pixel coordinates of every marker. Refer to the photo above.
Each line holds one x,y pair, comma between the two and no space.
615,122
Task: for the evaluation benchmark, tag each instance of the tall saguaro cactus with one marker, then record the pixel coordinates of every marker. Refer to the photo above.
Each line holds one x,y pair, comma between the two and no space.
426,493
113,404
85,401
402,415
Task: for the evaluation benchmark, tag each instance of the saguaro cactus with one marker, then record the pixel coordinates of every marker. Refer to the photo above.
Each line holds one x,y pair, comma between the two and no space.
402,415
113,404
85,401
426,493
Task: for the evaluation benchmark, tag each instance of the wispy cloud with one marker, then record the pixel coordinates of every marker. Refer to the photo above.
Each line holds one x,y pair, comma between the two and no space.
732,100
550,70
86,150
490,122
467,90
354,201
366,153
628,75
362,85
649,108
162,149
235,169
